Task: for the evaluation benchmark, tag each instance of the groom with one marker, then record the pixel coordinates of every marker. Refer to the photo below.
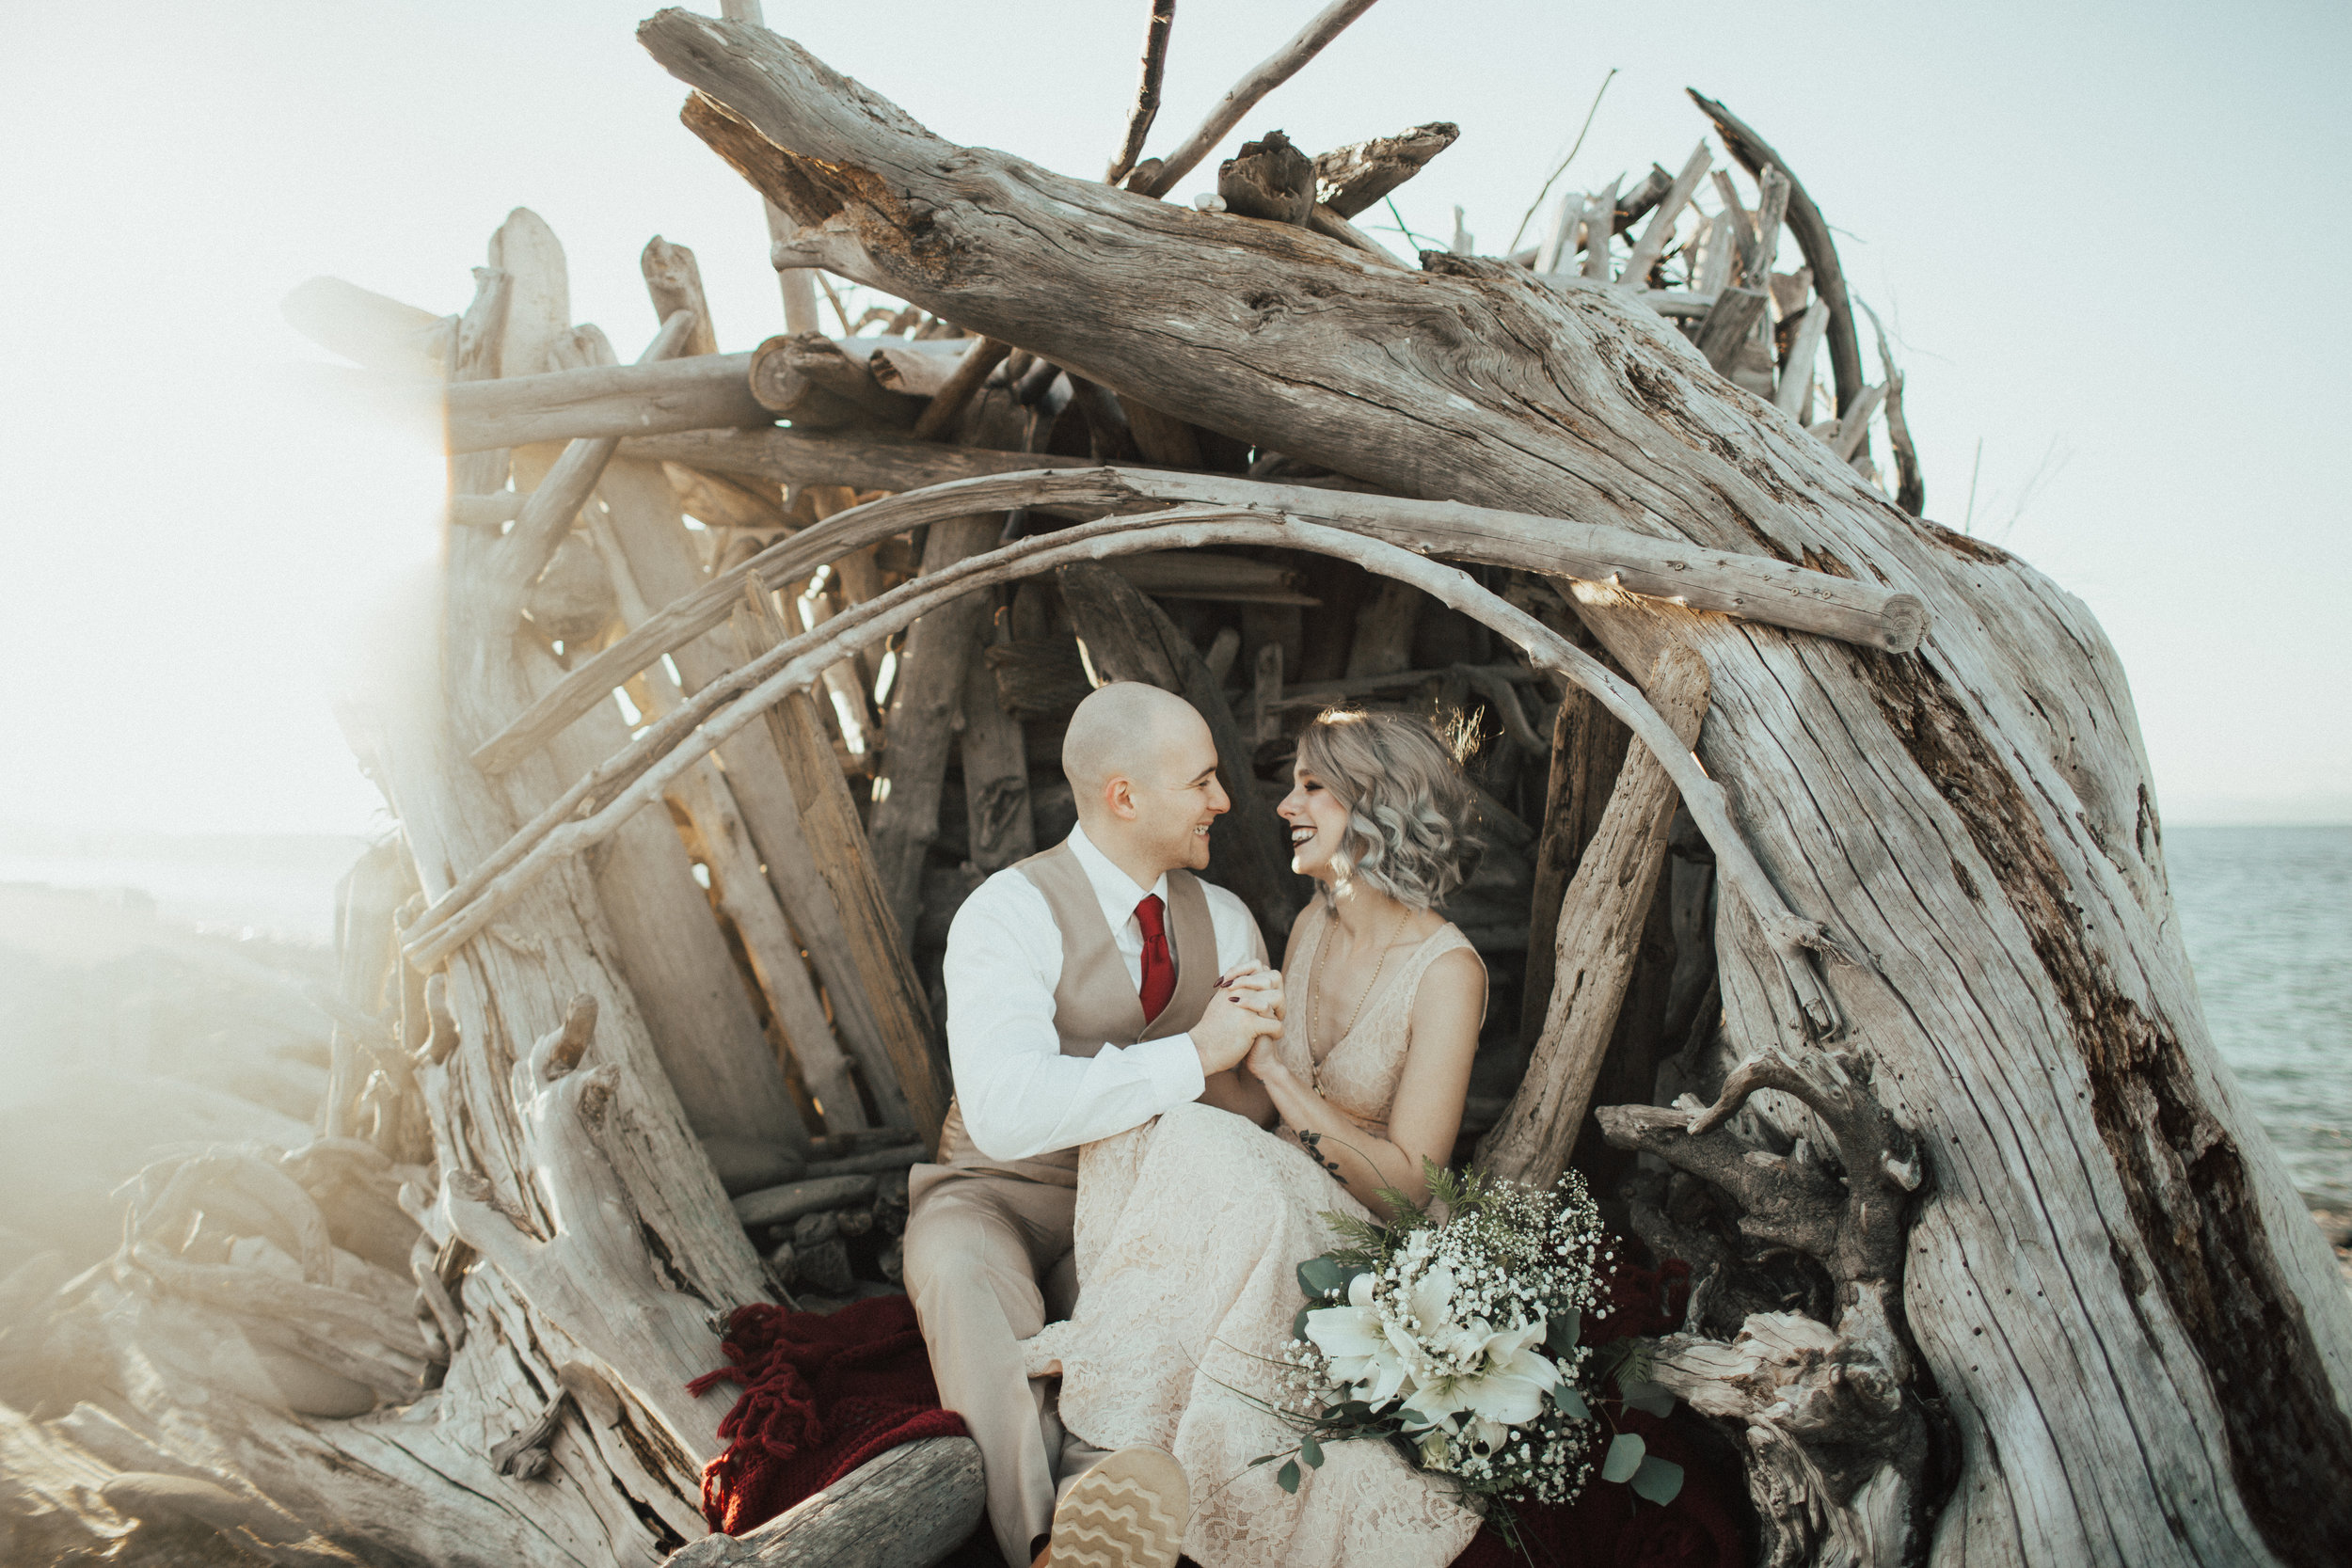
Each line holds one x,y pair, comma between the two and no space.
1083,999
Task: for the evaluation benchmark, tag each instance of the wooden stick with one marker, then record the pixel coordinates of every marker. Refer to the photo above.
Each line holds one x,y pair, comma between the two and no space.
1352,178
863,460
676,283
995,776
1600,222
1796,377
786,370
1147,107
1271,72
378,332
1813,238
1763,246
1652,245
1729,325
1596,945
636,776
939,648
1752,587
604,401
800,295
984,356
1853,425
1559,239
1909,490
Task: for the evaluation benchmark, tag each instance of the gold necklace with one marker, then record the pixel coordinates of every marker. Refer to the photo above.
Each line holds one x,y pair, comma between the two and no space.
1323,943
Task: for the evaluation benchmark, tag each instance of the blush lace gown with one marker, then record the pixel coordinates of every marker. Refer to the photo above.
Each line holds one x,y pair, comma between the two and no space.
1189,1231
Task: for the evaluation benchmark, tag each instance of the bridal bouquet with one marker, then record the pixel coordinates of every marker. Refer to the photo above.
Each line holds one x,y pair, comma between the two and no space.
1455,1332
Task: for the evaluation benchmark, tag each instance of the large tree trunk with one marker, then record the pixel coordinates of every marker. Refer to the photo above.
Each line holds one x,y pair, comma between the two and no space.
2108,1281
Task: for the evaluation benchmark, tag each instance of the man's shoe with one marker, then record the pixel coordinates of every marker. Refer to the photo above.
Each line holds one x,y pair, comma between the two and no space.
1128,1511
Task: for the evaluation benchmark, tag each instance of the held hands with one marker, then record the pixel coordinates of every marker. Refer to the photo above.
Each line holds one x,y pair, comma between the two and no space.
1246,1010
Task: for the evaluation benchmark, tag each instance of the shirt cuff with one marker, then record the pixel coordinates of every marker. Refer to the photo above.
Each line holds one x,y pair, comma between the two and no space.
1173,1065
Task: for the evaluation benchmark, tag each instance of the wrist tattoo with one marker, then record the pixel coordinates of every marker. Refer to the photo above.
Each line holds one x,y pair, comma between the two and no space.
1309,1141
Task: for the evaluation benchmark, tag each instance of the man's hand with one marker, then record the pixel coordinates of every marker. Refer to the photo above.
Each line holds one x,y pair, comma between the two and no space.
1248,1004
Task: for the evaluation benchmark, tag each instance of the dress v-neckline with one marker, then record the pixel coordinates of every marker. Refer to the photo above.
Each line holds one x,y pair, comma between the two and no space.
1315,1064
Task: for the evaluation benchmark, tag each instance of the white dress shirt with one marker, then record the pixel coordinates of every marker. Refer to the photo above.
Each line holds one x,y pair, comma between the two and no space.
1021,1096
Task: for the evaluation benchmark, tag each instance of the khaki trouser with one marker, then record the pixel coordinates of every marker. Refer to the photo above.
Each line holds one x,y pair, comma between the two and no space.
987,1263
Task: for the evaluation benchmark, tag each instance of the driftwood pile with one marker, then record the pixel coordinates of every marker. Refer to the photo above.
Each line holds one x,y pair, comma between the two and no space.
1820,855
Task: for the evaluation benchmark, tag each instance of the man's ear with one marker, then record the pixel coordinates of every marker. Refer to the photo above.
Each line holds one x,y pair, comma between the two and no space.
1119,795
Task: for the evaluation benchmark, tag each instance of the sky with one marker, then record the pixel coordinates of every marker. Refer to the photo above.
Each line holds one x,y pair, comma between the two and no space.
2086,225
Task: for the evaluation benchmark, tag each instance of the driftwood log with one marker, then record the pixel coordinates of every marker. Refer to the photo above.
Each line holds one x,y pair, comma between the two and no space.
1973,820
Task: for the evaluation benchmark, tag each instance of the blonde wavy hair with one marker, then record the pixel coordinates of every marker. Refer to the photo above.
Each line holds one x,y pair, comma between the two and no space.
1411,812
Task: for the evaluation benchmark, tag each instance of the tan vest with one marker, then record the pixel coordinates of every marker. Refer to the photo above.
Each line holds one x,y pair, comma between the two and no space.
1095,1004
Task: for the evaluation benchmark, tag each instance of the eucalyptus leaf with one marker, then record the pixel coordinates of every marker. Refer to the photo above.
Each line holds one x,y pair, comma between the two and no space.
1298,1323
1626,1453
1561,1333
1658,1480
1565,1400
1311,1452
1261,1459
1643,1395
1287,1476
1320,1275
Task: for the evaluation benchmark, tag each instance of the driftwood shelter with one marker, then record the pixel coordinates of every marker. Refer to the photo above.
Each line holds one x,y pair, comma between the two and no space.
1824,871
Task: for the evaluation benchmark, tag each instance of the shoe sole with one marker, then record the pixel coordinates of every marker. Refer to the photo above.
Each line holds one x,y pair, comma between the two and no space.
1127,1511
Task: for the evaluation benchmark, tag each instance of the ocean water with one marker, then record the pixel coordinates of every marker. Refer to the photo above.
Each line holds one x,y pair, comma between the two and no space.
2266,913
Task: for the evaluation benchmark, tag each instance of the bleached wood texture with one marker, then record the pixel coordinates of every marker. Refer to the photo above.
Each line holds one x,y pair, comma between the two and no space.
1595,942
906,1509
2142,1364
707,393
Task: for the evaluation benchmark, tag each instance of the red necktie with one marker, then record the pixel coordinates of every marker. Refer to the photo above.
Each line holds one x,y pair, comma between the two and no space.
1159,969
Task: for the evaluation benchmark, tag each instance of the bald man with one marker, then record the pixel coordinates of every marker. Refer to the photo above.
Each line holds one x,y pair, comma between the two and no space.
1083,999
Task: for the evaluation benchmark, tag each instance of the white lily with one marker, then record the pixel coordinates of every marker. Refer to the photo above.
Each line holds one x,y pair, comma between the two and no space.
1362,1356
1502,1381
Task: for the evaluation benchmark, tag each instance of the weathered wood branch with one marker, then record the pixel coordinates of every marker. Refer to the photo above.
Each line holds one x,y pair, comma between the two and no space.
1754,587
1352,178
906,1509
864,460
1660,229
1813,238
1595,943
1146,107
705,393
1243,96
821,383
637,776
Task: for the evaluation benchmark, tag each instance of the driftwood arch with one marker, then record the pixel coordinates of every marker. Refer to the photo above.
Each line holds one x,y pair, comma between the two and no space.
635,778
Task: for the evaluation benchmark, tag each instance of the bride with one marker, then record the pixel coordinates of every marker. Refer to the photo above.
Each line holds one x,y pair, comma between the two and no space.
1190,1227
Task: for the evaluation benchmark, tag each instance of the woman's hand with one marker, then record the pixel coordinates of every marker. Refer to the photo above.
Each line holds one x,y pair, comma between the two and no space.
1265,1060
1255,986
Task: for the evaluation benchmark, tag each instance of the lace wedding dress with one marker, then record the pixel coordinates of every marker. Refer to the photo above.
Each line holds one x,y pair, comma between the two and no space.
1189,1231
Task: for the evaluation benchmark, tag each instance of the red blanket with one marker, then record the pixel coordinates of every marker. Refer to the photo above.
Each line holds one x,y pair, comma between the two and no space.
822,1396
